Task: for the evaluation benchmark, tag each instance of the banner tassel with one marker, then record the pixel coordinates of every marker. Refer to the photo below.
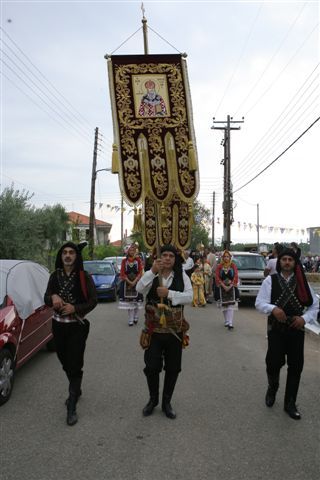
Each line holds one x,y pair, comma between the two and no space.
115,159
192,157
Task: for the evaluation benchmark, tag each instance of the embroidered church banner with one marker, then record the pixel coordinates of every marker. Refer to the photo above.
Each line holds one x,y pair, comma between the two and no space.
154,148
153,130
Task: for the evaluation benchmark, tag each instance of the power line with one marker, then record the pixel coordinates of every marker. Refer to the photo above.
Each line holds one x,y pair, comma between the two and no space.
43,76
309,112
42,100
281,72
61,115
266,136
239,59
60,103
277,158
49,87
39,106
272,57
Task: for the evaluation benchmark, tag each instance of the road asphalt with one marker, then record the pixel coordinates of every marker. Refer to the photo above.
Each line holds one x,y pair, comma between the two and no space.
223,430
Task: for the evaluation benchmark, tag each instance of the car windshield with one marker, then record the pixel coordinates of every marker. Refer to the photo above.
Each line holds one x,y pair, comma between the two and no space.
97,268
248,262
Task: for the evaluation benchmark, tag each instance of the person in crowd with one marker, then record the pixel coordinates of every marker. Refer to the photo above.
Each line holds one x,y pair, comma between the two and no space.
211,258
198,281
130,273
188,263
296,249
72,294
167,289
272,262
308,264
290,303
207,275
226,287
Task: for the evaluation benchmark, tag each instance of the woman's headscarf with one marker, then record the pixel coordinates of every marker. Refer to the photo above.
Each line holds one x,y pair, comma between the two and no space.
226,264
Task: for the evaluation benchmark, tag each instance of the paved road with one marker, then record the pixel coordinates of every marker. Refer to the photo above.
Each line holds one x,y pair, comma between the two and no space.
223,430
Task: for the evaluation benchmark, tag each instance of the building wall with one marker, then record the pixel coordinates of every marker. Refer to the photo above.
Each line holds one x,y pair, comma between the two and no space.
314,233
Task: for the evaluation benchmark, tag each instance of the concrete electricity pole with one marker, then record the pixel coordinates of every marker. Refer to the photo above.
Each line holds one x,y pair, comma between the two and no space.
213,217
227,205
92,196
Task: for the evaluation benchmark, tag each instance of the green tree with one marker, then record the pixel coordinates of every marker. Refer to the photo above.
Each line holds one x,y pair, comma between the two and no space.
29,233
16,224
52,223
201,225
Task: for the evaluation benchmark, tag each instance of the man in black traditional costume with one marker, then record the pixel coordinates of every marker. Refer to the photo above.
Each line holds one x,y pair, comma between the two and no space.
290,303
72,294
165,329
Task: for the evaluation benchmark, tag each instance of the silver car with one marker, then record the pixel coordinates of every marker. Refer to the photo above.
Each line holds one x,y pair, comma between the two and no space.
251,272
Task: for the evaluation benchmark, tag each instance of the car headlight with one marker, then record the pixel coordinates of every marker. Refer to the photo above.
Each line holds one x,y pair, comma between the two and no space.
105,285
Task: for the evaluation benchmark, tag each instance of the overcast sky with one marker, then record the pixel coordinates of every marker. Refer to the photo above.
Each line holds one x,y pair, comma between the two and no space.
257,60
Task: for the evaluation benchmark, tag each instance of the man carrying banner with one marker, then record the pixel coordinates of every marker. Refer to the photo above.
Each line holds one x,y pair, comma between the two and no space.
165,325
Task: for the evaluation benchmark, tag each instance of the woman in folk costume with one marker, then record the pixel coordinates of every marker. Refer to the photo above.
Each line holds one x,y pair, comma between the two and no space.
197,281
226,282
130,273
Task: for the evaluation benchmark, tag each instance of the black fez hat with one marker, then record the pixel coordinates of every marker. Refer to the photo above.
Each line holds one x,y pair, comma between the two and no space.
169,248
77,249
285,252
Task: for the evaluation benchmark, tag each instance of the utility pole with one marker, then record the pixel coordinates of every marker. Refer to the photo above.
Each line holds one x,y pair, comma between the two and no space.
93,191
213,217
227,204
92,197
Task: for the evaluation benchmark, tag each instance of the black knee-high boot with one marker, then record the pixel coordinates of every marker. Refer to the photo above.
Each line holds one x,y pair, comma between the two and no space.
74,393
153,385
273,385
290,397
170,380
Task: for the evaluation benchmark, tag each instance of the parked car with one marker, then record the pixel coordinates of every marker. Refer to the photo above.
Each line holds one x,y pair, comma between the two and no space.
116,262
25,322
251,272
105,278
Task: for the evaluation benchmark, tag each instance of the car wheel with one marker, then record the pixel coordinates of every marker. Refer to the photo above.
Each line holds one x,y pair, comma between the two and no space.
6,375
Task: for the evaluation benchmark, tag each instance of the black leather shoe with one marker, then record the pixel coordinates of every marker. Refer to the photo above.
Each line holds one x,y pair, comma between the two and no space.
292,410
270,397
72,417
167,409
148,409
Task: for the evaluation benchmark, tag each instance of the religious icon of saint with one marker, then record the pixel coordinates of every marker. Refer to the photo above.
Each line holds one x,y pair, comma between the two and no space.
152,104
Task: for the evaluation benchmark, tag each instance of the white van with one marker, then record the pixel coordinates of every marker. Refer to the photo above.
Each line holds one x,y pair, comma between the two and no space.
250,268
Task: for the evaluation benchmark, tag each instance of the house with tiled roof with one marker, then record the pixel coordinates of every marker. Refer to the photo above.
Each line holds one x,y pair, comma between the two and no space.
79,229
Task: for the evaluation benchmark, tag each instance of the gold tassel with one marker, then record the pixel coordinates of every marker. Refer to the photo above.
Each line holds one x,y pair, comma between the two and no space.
192,157
163,216
163,320
115,159
135,228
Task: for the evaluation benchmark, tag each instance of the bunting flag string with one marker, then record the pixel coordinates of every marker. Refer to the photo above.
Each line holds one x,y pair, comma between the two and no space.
114,208
267,228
